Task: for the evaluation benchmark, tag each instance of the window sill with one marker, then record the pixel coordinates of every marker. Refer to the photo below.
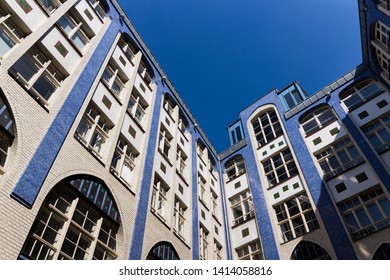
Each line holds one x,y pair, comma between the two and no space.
137,122
181,238
235,177
159,217
165,157
321,128
244,220
331,175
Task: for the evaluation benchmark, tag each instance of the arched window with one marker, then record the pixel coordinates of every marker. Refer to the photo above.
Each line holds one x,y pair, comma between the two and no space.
360,93
7,133
317,119
266,127
235,167
163,251
383,252
309,251
77,220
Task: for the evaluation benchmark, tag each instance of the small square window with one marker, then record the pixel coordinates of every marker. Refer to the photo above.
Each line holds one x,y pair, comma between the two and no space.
340,187
216,230
24,5
181,141
285,188
264,153
382,104
237,185
276,195
88,14
106,102
272,146
317,141
363,114
361,177
203,214
141,86
296,185
245,232
122,60
280,143
200,167
61,49
167,121
334,131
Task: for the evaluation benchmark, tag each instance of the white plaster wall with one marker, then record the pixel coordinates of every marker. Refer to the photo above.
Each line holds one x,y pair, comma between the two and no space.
113,112
138,141
32,19
284,194
95,24
372,109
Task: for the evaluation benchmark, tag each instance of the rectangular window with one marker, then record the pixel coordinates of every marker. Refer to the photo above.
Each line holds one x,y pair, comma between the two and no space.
179,218
279,168
250,251
378,133
242,207
93,131
123,161
159,197
181,162
97,8
10,34
165,143
339,157
366,213
49,6
295,217
114,80
136,107
203,246
38,74
235,168
75,30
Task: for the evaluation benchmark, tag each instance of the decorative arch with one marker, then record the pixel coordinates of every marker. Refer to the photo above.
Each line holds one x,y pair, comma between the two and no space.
307,250
78,219
383,252
7,130
317,118
163,251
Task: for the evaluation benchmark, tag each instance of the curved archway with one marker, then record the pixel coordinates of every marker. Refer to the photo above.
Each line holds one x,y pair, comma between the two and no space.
383,252
7,131
77,220
306,250
163,251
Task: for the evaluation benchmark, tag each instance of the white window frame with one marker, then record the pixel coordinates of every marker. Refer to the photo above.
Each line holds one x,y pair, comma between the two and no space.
361,203
95,123
316,120
235,168
181,165
127,158
49,10
373,128
333,154
164,144
179,219
95,4
288,229
46,69
250,251
159,202
244,202
203,243
362,92
88,225
135,108
10,29
112,76
273,124
272,166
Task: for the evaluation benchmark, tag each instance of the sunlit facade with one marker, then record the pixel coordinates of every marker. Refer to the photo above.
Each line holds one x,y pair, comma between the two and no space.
101,159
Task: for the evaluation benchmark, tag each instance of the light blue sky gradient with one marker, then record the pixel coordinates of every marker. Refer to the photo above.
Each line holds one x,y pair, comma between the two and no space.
222,55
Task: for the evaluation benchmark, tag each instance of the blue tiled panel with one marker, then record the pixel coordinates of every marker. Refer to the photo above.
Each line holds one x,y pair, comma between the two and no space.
144,192
29,185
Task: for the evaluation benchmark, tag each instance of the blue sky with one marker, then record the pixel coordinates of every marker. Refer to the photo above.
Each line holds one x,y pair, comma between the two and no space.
222,55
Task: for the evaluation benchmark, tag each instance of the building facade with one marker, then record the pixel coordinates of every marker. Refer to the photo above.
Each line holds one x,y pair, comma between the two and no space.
101,159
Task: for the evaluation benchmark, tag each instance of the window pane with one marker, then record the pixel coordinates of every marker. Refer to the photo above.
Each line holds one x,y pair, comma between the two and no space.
80,40
385,205
375,213
44,87
351,222
363,217
6,43
26,67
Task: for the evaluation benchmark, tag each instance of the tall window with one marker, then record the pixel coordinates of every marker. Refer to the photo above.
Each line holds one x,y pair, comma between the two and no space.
217,251
202,189
76,30
68,226
114,79
214,204
292,96
235,167
6,133
266,127
159,197
318,119
137,106
340,156
181,162
360,93
164,144
49,6
378,133
242,207
123,161
280,167
168,106
10,34
179,218
144,73
296,217
93,130
366,213
38,74
99,8
250,251
127,48
203,240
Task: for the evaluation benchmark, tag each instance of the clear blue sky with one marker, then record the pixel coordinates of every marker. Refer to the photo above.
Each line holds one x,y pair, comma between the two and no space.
222,55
